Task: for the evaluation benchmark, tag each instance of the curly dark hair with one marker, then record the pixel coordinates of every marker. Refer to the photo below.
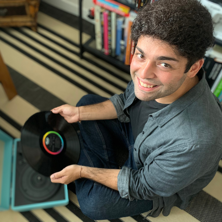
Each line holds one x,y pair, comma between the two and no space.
184,24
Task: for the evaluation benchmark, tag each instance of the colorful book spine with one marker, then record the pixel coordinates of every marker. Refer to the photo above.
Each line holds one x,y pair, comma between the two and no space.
98,33
128,45
113,33
216,82
212,69
118,35
109,33
102,28
220,97
121,57
105,34
218,89
113,6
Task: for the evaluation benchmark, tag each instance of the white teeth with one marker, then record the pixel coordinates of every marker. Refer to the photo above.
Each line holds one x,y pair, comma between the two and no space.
145,85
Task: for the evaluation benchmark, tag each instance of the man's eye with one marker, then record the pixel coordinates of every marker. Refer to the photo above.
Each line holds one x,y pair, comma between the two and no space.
139,55
165,65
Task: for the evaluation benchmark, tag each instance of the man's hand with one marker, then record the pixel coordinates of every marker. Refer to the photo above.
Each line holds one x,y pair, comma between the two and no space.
67,175
70,113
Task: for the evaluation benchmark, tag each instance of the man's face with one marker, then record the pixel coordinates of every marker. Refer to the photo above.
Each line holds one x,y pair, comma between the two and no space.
157,72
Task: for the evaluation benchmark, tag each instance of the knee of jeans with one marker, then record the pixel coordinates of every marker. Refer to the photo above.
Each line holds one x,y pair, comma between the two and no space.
90,99
90,213
90,209
94,207
85,100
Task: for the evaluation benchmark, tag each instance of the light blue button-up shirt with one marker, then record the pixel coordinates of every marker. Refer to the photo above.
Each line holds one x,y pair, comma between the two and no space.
178,151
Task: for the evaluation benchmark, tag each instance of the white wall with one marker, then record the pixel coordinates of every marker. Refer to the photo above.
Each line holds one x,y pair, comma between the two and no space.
72,6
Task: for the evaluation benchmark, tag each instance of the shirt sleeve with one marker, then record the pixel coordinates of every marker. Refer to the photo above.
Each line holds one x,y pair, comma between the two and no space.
119,103
165,175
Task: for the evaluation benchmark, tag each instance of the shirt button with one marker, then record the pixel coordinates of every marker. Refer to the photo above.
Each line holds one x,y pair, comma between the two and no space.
143,132
135,149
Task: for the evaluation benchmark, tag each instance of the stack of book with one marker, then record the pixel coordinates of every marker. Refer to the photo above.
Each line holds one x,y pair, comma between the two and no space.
113,22
213,68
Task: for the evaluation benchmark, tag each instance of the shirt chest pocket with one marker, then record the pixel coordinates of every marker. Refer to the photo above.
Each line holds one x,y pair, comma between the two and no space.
146,150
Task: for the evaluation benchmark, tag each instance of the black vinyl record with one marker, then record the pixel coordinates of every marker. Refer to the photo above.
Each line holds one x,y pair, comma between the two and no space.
49,143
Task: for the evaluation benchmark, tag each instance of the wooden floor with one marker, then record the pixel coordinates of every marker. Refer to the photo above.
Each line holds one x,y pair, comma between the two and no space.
47,72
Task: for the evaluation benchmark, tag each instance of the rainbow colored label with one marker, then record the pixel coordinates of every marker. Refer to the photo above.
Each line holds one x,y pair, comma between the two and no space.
44,141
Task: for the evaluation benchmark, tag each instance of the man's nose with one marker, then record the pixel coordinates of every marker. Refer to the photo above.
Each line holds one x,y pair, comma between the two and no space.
147,70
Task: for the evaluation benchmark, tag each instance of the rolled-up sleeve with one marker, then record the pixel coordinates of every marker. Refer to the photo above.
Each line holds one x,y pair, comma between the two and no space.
123,182
167,174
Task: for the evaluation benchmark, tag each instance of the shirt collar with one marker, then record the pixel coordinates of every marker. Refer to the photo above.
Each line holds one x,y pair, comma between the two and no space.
166,114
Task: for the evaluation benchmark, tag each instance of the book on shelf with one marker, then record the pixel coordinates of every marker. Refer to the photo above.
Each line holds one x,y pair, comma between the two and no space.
212,69
119,35
216,82
128,43
98,34
220,96
109,33
218,89
121,57
213,66
113,33
101,47
105,32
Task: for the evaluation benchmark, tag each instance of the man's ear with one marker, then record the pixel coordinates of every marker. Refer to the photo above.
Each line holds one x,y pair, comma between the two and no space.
194,69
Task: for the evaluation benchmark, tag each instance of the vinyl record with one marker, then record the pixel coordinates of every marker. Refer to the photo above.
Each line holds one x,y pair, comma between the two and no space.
49,143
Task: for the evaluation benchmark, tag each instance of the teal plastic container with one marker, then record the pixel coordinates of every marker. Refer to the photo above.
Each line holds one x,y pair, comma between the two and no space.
8,172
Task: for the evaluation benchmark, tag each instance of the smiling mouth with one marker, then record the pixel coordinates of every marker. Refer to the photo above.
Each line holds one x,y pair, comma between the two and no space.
146,85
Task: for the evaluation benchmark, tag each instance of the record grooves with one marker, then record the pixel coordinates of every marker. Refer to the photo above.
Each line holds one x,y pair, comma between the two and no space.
49,143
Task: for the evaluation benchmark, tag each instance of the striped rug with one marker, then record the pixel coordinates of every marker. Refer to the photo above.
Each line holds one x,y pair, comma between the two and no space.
48,72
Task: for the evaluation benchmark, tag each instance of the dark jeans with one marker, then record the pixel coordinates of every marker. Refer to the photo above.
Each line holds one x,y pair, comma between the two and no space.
98,140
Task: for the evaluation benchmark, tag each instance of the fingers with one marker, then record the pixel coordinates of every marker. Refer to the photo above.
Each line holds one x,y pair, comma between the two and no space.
58,175
57,109
61,180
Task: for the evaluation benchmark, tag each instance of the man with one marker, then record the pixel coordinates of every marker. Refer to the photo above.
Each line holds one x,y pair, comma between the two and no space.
167,119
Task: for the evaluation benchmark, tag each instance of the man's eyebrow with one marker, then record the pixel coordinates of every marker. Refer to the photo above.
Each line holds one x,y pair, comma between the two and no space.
160,57
167,58
139,49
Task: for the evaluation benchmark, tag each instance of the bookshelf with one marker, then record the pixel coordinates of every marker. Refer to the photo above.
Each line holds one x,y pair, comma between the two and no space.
90,47
218,42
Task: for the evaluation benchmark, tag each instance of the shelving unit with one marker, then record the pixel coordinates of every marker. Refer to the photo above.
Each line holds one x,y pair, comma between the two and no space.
218,42
89,46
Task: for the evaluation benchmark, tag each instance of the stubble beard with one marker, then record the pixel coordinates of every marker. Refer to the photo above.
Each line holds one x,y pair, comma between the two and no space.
148,96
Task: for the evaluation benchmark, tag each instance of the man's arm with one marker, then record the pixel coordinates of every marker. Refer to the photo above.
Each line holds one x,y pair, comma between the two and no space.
99,111
107,177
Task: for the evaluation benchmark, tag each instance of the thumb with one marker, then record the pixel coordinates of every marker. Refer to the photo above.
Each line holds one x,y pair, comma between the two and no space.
57,109
57,175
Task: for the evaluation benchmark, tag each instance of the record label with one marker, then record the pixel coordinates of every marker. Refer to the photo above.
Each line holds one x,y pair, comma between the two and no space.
53,142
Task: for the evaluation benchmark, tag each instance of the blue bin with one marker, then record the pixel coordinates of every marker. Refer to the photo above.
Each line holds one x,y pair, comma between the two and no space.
8,146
